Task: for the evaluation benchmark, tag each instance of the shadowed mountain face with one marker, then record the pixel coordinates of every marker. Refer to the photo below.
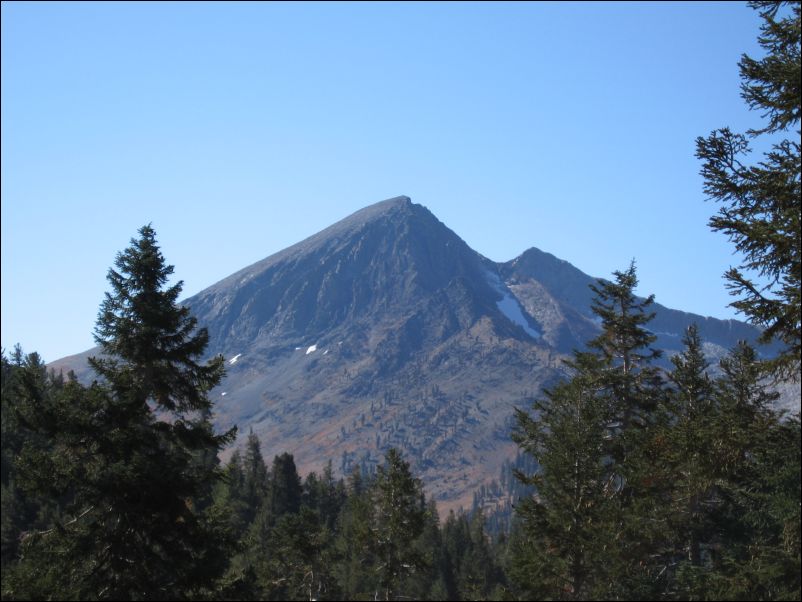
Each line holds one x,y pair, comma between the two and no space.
387,330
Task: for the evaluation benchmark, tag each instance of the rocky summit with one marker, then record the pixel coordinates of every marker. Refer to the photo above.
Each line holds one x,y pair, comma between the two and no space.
387,330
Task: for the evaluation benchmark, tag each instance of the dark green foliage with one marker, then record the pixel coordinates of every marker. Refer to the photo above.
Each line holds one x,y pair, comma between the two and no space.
285,486
352,544
757,465
150,344
255,481
689,493
474,573
761,202
132,457
21,512
567,526
691,466
589,526
377,538
624,346
298,564
398,520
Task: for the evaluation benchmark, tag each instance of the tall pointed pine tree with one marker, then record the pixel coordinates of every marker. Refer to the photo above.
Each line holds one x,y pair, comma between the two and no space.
131,454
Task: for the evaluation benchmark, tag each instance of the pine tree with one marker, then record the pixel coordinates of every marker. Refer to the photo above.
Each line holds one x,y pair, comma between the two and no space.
355,566
398,519
565,548
589,528
130,454
761,202
285,487
21,377
756,454
624,345
691,470
298,564
256,479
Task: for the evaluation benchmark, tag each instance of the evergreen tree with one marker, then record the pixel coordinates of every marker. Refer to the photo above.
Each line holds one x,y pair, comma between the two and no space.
21,377
761,202
355,572
398,519
298,566
434,581
624,345
566,545
756,454
131,454
691,471
255,478
589,527
332,497
285,487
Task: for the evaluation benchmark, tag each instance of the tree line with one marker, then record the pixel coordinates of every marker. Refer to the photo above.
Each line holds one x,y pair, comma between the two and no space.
643,483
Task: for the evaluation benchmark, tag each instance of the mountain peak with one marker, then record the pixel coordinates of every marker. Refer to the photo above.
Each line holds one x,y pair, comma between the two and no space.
387,330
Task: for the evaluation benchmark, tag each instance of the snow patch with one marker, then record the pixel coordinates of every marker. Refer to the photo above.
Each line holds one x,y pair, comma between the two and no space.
223,394
234,359
325,352
510,307
298,348
311,349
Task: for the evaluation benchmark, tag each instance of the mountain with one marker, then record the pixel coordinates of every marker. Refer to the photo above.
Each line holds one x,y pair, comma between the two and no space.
387,329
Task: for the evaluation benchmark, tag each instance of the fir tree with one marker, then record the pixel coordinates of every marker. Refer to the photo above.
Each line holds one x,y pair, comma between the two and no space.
298,566
285,487
760,210
691,470
255,477
756,454
22,377
354,569
589,526
131,454
398,519
624,345
565,548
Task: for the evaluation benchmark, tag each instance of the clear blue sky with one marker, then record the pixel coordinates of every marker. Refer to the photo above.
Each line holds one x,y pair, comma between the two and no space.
239,129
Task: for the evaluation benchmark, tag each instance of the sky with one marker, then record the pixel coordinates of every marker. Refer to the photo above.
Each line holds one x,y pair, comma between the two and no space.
238,129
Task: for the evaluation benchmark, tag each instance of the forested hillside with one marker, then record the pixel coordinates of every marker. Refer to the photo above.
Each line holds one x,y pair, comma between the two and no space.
639,474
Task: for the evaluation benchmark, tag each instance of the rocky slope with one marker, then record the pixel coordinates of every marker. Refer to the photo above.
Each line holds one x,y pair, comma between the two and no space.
386,329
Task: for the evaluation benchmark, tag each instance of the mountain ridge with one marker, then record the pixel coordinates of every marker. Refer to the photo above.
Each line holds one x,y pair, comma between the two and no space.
387,329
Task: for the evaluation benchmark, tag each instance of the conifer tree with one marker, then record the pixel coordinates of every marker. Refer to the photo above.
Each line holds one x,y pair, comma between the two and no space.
566,545
356,560
22,377
624,345
589,528
298,564
131,453
691,469
398,519
757,459
285,486
256,479
761,202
